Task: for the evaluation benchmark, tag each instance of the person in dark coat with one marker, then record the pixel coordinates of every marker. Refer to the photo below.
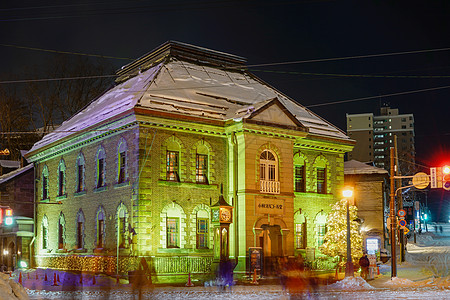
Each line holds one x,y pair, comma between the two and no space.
364,264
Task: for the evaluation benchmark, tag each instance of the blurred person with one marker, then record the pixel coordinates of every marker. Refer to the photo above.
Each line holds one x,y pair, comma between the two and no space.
364,264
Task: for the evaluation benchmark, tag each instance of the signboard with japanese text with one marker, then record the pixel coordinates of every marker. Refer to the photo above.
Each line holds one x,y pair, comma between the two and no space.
256,259
269,206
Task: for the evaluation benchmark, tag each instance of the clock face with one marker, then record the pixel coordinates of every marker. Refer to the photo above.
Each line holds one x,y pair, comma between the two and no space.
225,215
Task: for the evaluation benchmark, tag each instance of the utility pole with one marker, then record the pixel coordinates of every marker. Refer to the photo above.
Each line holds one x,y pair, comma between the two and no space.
398,172
392,216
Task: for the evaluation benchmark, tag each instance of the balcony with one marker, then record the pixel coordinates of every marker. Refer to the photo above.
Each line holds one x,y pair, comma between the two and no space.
269,187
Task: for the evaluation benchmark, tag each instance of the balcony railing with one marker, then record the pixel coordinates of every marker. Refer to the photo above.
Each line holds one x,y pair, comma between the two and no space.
269,187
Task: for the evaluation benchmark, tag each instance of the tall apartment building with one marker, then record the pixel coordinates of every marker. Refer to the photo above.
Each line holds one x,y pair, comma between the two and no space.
374,136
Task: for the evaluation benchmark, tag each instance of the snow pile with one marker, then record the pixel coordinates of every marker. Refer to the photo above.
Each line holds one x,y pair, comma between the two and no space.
351,283
10,290
399,282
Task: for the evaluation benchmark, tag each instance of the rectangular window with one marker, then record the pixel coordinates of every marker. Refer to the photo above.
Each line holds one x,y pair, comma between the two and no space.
100,234
101,170
272,172
172,166
61,183
321,181
262,171
80,235
172,233
122,162
80,186
202,233
321,230
300,178
300,235
201,169
44,187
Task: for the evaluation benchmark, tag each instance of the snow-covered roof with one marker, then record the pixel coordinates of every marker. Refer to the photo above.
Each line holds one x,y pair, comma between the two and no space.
12,174
189,87
354,167
9,163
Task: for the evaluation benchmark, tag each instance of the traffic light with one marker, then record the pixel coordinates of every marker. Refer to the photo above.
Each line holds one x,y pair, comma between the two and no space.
8,216
446,178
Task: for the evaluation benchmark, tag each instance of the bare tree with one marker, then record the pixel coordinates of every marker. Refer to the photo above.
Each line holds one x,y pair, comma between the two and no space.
14,123
72,83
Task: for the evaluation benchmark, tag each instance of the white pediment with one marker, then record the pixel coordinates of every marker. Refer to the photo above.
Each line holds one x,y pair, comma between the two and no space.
275,115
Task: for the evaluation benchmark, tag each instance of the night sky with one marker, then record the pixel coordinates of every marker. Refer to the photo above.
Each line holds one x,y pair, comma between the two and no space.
268,33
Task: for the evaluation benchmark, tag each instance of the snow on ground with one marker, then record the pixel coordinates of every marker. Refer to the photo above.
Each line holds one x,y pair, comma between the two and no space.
10,290
351,283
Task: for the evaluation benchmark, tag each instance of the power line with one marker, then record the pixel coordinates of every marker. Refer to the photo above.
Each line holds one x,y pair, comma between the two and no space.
378,96
65,52
57,79
349,57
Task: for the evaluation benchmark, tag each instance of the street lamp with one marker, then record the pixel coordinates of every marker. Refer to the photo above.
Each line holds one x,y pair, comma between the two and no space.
349,272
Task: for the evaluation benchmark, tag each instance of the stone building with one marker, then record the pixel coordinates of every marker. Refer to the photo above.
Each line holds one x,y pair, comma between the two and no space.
136,172
371,196
17,193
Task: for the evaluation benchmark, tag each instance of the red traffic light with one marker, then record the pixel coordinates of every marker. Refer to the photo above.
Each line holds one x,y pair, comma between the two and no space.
446,178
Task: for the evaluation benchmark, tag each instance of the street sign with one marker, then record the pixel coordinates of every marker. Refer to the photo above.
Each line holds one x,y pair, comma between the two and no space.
421,180
402,222
401,213
436,177
405,230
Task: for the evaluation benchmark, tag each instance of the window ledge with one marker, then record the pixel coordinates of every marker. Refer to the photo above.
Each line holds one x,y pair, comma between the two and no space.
47,200
61,197
80,193
79,250
122,184
61,251
100,189
99,250
188,184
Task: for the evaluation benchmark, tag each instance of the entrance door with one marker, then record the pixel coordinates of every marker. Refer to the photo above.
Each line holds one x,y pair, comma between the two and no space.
271,242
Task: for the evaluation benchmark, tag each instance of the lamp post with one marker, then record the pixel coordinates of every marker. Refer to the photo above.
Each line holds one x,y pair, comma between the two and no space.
349,272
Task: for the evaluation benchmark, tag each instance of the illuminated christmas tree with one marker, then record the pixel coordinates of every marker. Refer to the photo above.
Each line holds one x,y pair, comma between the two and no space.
336,237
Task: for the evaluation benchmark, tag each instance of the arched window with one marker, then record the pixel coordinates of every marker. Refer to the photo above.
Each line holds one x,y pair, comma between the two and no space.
321,227
202,229
300,230
122,225
45,194
268,172
201,165
321,170
61,231
80,229
300,173
81,170
61,178
122,161
172,161
101,167
100,227
44,232
174,224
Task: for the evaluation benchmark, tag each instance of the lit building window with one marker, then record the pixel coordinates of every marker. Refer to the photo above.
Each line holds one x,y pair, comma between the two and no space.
321,230
122,162
172,166
300,181
45,183
80,173
300,235
45,233
202,233
61,231
172,233
100,229
201,169
61,178
80,229
268,173
101,157
321,180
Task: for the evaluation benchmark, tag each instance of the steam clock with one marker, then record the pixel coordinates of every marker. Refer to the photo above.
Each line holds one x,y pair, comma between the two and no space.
221,218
